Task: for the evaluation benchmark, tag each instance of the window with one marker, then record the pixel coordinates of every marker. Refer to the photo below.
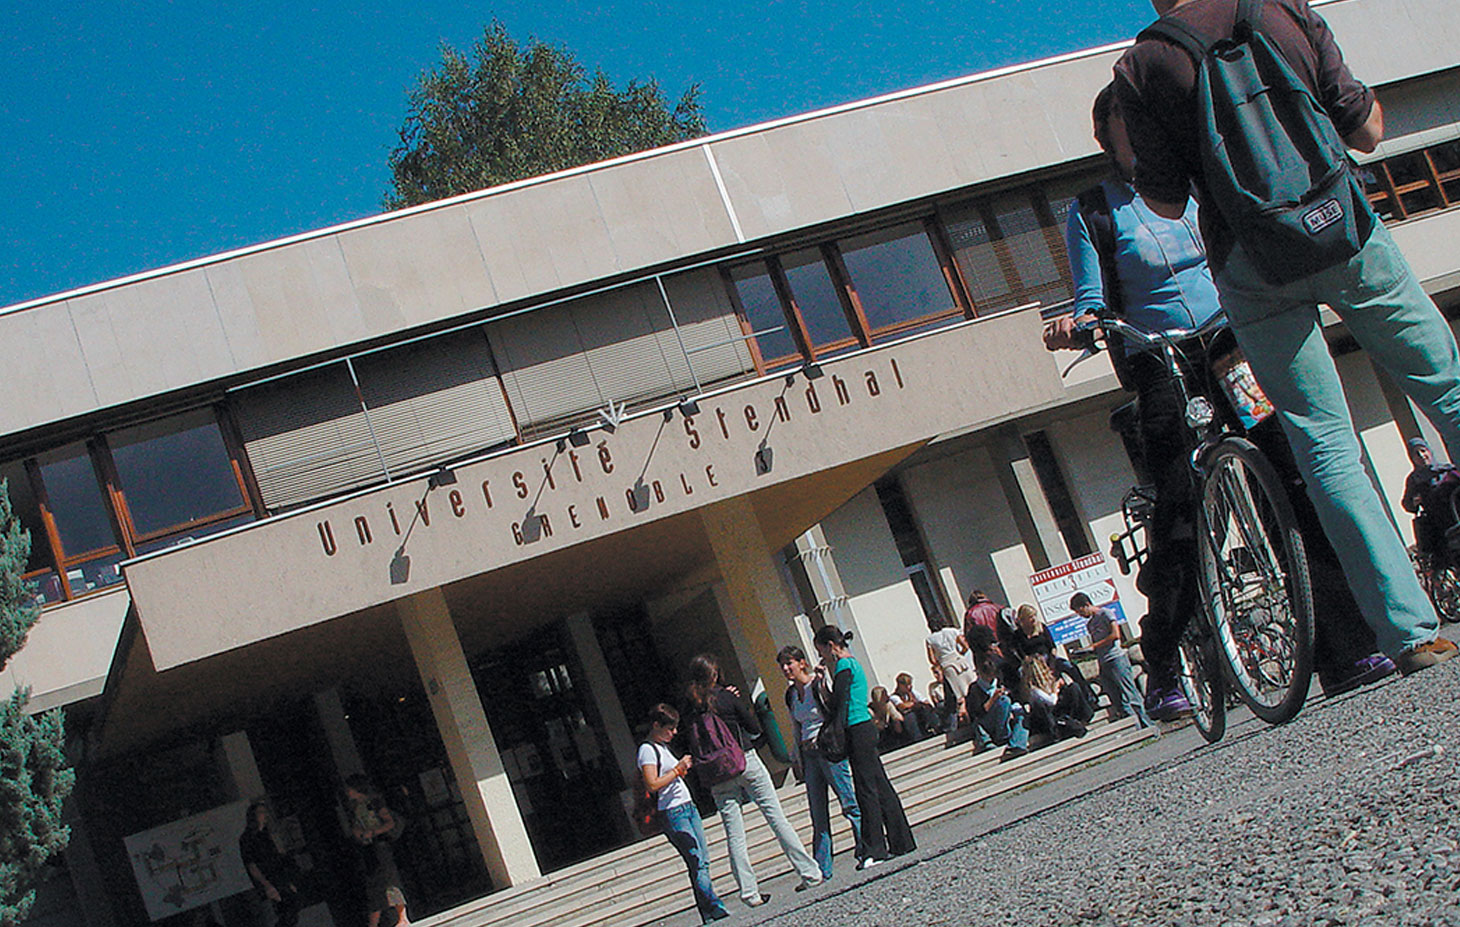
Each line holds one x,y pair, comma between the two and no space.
71,494
898,279
755,294
38,567
91,505
176,474
1010,249
1415,182
816,301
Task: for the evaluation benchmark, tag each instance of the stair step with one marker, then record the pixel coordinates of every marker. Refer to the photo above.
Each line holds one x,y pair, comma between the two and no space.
645,881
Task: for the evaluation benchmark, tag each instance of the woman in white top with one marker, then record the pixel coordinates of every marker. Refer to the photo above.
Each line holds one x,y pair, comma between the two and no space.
948,655
664,776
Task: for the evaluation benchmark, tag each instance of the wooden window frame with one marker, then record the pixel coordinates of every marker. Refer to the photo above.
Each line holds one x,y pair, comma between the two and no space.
757,357
65,562
122,510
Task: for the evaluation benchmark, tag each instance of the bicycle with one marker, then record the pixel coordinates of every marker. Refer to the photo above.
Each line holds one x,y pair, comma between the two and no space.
1254,629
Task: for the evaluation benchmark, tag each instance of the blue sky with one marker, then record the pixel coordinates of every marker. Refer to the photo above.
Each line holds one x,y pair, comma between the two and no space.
146,133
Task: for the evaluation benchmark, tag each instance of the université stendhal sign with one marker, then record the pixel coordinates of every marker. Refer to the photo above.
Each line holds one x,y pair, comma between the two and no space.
290,572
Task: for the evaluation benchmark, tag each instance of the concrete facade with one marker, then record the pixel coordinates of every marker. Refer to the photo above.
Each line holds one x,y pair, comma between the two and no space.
482,632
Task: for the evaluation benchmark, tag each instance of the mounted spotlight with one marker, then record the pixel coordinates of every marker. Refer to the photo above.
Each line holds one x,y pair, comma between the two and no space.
812,370
443,477
689,406
578,437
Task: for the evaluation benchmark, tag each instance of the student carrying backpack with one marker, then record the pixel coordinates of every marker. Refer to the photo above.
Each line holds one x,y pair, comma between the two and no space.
721,730
1274,165
1287,229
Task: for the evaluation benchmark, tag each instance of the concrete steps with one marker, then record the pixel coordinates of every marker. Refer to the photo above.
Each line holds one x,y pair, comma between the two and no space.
645,881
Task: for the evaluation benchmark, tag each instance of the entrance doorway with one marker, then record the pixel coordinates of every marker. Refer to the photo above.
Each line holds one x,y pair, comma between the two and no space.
557,757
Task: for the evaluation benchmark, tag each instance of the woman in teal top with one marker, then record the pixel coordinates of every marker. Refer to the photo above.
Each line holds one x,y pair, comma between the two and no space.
885,831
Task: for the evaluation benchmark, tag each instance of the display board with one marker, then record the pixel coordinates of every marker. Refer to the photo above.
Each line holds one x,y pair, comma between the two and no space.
190,862
1054,587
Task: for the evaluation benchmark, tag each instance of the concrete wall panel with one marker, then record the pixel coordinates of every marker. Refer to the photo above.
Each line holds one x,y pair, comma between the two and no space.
42,369
888,618
548,237
782,179
965,519
656,211
427,267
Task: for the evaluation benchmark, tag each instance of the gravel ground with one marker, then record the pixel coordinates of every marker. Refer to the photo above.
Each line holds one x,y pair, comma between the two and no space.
1345,816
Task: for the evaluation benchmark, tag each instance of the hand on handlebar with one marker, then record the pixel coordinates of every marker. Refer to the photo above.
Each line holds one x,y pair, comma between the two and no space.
1062,334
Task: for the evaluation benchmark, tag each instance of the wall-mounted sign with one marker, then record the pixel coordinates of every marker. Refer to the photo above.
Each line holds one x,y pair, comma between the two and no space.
1054,587
190,862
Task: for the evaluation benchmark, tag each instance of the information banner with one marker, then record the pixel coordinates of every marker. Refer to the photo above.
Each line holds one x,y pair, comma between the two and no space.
1054,587
190,862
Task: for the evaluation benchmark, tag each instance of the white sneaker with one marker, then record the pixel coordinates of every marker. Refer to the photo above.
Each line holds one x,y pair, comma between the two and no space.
868,863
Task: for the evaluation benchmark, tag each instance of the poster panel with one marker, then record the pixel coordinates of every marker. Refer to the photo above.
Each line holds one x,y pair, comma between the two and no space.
1054,587
190,862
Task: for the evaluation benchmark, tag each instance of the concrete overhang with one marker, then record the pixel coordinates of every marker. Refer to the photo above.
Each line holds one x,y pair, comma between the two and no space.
69,651
295,571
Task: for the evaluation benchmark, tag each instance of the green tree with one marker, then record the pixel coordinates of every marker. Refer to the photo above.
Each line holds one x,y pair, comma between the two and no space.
34,780
507,112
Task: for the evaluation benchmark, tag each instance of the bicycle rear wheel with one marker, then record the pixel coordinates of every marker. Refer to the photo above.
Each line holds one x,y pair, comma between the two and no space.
1199,674
1254,573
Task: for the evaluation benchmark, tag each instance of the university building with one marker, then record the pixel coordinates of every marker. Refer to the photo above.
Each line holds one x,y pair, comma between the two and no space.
450,496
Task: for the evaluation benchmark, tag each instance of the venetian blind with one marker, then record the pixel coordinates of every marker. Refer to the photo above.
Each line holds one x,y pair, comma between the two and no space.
429,402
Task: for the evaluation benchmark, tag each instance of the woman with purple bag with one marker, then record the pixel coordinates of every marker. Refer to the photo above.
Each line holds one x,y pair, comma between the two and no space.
722,732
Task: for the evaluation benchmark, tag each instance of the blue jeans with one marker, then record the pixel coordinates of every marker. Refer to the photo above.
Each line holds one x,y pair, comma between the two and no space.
820,773
685,830
1119,683
1003,724
1380,300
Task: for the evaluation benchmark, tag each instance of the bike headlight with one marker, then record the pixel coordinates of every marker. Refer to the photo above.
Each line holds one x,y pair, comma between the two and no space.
1199,412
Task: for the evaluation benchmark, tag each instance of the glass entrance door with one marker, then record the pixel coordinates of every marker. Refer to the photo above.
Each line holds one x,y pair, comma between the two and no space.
566,782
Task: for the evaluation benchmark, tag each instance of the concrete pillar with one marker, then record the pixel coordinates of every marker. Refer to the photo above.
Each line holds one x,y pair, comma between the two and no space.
1032,514
237,755
763,614
816,561
470,747
331,713
604,695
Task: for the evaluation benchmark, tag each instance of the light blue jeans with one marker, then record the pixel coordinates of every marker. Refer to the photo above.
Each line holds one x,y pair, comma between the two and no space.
685,830
755,785
820,773
1119,682
1380,300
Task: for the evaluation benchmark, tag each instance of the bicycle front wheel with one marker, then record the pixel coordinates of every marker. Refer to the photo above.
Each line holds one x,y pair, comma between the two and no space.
1254,574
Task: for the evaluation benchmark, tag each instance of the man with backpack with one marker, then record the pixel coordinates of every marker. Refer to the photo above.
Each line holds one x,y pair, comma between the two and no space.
1251,102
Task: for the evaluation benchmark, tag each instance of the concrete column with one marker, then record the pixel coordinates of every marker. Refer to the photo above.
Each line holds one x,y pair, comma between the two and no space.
470,747
763,613
604,696
242,768
1032,514
817,562
331,713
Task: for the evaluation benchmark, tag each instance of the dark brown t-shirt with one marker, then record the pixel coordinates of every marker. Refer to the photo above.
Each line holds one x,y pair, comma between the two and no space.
1155,83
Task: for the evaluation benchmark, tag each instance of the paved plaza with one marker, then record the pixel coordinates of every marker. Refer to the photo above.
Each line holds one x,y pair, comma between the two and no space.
1346,816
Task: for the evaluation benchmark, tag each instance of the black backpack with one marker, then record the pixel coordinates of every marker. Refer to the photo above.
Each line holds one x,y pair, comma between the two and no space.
1275,167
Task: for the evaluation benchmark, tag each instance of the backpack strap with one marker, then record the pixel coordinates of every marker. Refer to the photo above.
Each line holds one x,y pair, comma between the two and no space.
1181,35
1249,16
1094,209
